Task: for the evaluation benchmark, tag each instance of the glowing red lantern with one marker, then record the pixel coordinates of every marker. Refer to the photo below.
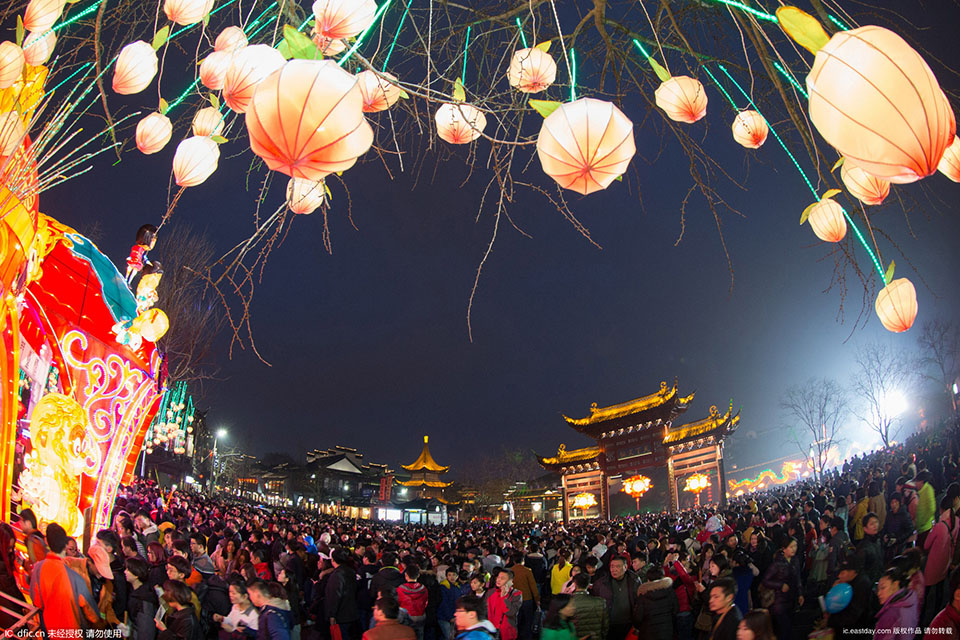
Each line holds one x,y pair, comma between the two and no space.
306,120
38,46
378,94
11,64
153,133
248,69
532,70
41,15
459,123
863,186
187,12
827,220
305,196
136,66
950,162
11,132
195,160
682,98
230,40
343,18
897,305
213,69
207,122
328,46
584,145
750,129
878,103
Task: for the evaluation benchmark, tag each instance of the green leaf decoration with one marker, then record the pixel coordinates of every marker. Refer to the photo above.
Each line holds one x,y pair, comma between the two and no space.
545,107
802,28
662,73
838,164
544,46
164,106
619,178
888,276
300,45
326,190
806,212
206,20
284,49
214,100
404,94
160,38
829,193
218,139
459,93
20,31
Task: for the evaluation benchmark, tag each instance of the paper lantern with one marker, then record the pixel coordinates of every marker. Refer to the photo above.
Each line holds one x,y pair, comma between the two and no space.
343,18
152,324
195,160
459,123
11,64
38,46
11,132
136,66
950,162
230,40
584,145
896,305
41,15
866,188
328,46
207,122
187,12
750,129
682,98
531,70
213,69
878,103
306,120
378,94
305,196
827,220
153,133
248,69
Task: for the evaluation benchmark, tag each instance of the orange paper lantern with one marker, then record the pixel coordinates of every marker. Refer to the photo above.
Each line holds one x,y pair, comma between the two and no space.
896,305
328,46
306,120
305,196
11,64
136,66
584,145
343,18
531,70
827,220
11,132
187,12
950,162
378,94
459,123
878,103
153,133
195,160
750,129
230,40
152,324
247,69
207,122
213,69
38,46
682,98
866,188
41,15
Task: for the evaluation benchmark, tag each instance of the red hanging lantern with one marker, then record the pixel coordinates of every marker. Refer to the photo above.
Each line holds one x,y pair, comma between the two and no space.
950,162
41,15
865,187
750,129
459,123
247,69
343,18
153,133
11,64
896,305
827,220
136,66
195,160
682,98
379,94
213,69
532,70
230,40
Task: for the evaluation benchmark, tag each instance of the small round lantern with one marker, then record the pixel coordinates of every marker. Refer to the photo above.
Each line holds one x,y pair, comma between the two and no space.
328,46
896,305
343,18
248,69
187,12
11,132
950,162
213,69
750,129
378,93
459,123
207,122
38,46
230,40
11,64
153,133
532,70
41,15
195,160
136,66
863,186
682,98
304,196
827,220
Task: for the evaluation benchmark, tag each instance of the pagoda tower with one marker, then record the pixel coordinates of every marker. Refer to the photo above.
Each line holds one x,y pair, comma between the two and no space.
426,474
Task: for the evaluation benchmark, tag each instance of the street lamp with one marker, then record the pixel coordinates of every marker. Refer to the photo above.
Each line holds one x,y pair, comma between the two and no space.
219,433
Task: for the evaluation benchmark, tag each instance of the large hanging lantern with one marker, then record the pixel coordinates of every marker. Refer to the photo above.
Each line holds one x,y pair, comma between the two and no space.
248,69
153,133
41,15
586,144
863,186
827,220
306,120
682,98
343,18
136,66
207,122
38,46
231,39
750,129
213,69
378,93
532,70
11,132
11,64
950,162
459,123
875,100
896,305
187,12
305,196
195,160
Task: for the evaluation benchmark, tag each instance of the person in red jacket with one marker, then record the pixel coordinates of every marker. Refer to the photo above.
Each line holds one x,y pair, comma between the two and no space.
413,597
503,604
947,622
684,585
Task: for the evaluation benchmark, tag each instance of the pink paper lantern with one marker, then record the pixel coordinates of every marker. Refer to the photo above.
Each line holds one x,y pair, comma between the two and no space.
11,64
247,69
306,120
531,70
230,40
827,220
41,15
875,100
343,18
896,305
213,69
11,132
682,98
187,12
750,129
38,46
207,122
378,94
195,160
459,123
863,186
950,162
305,196
586,144
136,66
153,133
328,46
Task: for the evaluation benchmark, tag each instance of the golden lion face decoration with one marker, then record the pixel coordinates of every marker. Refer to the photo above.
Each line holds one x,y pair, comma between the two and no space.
57,429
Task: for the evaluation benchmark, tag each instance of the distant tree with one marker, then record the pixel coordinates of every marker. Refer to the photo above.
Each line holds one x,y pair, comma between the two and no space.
493,472
940,355
819,408
883,376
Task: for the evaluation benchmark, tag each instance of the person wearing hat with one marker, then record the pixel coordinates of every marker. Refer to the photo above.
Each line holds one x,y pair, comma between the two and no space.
96,573
859,613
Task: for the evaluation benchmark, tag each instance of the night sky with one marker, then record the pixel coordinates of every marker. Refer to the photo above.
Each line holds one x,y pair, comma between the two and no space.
369,345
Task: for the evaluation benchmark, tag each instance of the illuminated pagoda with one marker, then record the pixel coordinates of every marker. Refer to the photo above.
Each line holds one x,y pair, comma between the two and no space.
639,435
426,474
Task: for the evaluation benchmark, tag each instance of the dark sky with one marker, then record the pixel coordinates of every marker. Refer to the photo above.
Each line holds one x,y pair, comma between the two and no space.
369,345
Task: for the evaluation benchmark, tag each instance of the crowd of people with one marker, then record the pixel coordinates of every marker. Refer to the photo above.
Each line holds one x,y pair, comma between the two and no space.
766,565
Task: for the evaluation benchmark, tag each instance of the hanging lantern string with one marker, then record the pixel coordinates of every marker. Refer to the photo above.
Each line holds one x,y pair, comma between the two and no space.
396,35
563,47
573,75
523,38
789,76
360,38
763,15
466,45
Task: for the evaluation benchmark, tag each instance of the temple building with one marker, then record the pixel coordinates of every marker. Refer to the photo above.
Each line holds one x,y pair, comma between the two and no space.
636,437
425,475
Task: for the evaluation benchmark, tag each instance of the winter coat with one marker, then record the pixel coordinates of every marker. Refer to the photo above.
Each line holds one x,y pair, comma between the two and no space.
898,526
274,623
390,630
590,616
181,625
538,566
502,612
839,544
939,547
684,586
484,630
603,587
858,614
559,576
900,611
878,505
388,576
565,631
855,523
523,579
870,553
926,508
142,606
654,610
340,596
948,618
413,597
449,594
780,573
